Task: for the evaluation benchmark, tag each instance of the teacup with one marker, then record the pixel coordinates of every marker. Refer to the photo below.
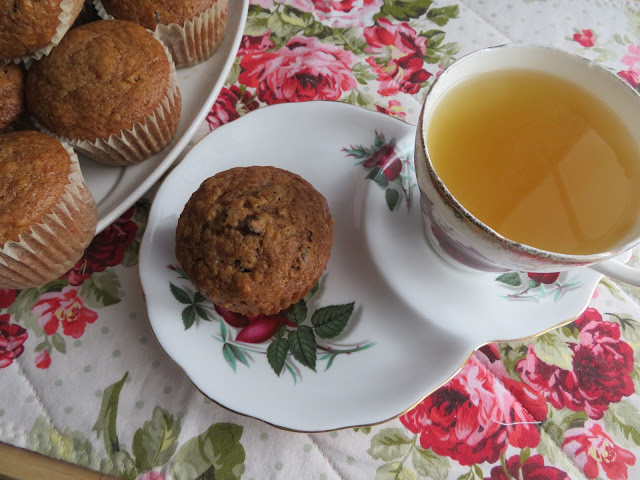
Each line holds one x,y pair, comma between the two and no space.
468,243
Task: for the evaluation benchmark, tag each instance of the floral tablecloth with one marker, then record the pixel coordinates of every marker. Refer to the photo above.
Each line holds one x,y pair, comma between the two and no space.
83,379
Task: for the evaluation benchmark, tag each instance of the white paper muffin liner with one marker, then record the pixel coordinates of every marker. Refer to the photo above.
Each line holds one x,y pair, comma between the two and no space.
70,10
193,42
52,247
143,140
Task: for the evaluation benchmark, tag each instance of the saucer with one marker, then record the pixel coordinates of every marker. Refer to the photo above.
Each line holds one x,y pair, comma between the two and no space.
406,320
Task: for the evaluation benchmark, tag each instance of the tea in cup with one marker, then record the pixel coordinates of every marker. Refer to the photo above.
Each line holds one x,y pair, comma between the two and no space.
528,158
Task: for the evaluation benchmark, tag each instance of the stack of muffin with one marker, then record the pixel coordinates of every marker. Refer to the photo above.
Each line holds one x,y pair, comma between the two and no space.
106,89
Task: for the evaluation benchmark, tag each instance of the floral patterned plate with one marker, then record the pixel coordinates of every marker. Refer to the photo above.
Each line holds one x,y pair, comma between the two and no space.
116,189
388,322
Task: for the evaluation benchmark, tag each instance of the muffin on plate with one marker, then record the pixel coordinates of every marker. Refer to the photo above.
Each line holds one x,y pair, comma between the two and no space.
29,30
12,110
47,214
109,90
191,29
254,240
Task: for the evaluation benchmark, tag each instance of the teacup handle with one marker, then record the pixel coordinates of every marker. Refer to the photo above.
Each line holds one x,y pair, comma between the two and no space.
618,271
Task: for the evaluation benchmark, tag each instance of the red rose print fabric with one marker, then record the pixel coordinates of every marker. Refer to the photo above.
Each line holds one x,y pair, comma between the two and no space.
12,338
63,309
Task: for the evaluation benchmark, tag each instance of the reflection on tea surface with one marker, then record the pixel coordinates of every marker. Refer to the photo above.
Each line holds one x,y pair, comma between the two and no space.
538,159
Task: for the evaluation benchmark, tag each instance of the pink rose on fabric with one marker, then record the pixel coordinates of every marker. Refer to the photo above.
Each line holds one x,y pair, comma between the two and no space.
304,69
591,449
43,360
397,58
64,308
532,469
7,297
341,13
151,476
255,44
394,109
585,38
230,104
12,338
472,419
631,60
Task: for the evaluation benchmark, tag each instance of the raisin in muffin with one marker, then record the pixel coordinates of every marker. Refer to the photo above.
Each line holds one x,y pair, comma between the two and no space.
254,240
11,97
29,30
191,29
47,214
109,90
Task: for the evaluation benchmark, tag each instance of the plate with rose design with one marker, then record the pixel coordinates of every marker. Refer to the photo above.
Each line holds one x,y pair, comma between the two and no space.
117,188
388,322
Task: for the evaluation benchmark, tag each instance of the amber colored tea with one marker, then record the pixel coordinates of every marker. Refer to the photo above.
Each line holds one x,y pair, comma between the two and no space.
538,159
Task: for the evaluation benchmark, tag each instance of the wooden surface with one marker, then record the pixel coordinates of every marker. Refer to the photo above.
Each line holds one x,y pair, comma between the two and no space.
19,464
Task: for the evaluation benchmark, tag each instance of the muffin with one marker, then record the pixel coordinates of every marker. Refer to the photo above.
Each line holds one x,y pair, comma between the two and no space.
254,240
11,96
47,214
109,89
29,30
191,29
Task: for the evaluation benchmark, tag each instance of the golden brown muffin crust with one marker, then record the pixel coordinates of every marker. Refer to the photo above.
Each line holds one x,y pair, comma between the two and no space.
150,13
104,77
27,25
254,239
34,169
11,95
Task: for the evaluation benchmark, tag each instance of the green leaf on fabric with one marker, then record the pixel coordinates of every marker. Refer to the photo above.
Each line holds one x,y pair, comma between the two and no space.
329,322
101,289
392,196
130,258
572,419
291,16
622,422
511,278
188,316
441,16
64,445
298,312
467,476
229,356
390,444
20,310
394,471
59,343
180,294
525,454
302,343
218,447
403,9
377,175
41,346
256,24
155,443
553,350
428,464
365,430
54,286
106,423
280,26
277,353
121,465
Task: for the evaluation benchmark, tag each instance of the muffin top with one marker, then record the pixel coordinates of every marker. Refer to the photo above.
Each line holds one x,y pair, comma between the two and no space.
103,77
254,240
34,169
150,13
11,95
27,26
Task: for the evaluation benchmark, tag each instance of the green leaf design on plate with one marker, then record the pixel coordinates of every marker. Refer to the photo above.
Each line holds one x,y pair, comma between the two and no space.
377,175
189,316
101,289
239,354
179,294
218,447
298,312
59,343
229,356
390,444
302,343
277,353
395,471
202,313
553,350
106,423
329,322
155,443
313,290
393,197
430,465
511,278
